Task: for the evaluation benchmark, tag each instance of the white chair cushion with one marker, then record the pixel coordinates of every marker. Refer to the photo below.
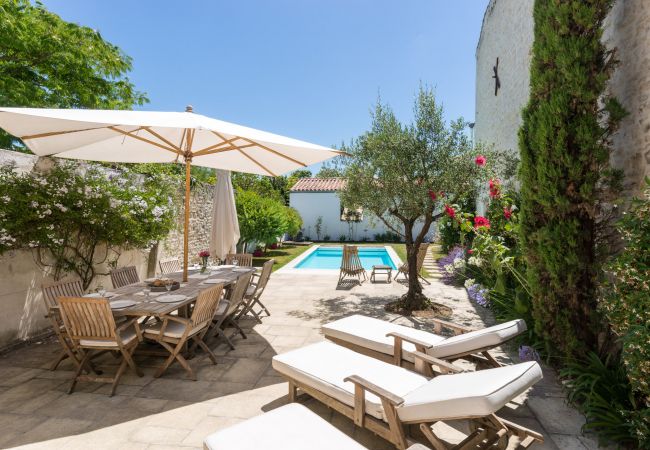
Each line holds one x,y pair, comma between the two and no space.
325,365
290,427
127,336
250,290
370,333
472,394
479,339
173,329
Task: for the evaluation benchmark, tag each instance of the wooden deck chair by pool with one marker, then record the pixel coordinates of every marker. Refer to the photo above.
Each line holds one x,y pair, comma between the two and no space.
124,276
243,259
404,268
387,399
51,293
227,311
174,332
170,265
255,291
289,427
351,264
89,323
395,343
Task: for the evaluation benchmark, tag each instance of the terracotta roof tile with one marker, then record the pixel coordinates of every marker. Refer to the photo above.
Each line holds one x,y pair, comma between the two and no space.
318,185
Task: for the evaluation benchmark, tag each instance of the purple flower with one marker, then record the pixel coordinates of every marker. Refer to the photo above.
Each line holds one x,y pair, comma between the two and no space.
454,253
479,295
527,353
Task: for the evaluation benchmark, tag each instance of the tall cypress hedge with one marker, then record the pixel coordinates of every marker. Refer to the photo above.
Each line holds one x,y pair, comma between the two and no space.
564,146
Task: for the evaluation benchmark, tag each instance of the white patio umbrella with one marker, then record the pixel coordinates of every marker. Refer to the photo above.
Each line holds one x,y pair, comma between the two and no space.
159,137
225,226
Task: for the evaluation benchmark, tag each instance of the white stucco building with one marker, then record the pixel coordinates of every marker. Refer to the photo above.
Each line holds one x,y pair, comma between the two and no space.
316,200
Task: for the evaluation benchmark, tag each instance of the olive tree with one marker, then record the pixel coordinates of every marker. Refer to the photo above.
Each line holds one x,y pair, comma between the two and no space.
405,175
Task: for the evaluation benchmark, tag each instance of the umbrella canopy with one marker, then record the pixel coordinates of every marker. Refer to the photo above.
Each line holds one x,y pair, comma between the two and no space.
225,226
159,137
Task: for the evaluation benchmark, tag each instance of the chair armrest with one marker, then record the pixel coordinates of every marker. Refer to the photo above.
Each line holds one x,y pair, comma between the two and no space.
380,392
412,340
126,325
182,320
443,366
456,328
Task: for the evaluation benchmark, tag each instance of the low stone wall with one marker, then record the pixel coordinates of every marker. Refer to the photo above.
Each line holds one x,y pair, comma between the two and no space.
23,310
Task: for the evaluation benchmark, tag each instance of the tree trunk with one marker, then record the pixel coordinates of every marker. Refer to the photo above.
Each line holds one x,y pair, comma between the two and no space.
414,299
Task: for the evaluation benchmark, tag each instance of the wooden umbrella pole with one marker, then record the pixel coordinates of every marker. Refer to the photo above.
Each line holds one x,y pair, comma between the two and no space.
186,230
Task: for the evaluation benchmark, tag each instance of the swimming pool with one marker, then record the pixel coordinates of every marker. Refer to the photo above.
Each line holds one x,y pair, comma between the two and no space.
330,258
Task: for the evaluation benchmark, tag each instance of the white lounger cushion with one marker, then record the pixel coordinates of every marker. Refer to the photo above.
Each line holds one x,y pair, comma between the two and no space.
325,365
370,333
290,427
472,394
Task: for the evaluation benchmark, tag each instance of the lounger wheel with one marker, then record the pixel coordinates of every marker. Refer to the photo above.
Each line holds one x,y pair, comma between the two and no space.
500,444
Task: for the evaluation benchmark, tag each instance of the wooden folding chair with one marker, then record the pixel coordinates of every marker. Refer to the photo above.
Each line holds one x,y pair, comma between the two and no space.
51,292
255,291
89,323
227,312
243,259
174,332
170,265
124,276
404,269
351,264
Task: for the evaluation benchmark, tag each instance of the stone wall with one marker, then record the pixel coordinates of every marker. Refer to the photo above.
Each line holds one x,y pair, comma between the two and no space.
200,225
507,33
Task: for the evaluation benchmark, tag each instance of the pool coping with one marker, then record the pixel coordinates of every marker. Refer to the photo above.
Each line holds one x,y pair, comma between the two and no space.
290,267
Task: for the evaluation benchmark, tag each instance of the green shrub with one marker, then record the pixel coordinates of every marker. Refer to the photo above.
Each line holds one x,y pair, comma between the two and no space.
564,146
261,219
76,218
600,389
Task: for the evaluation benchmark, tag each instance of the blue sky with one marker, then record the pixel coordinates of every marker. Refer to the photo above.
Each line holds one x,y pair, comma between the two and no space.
307,69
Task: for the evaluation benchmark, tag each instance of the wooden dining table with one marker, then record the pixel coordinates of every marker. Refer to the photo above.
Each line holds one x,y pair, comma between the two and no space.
195,284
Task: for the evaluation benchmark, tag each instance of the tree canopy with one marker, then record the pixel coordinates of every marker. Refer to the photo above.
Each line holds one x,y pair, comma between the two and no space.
48,62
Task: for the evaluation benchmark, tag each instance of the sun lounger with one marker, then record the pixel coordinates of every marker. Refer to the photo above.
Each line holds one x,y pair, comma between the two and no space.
290,427
384,398
377,338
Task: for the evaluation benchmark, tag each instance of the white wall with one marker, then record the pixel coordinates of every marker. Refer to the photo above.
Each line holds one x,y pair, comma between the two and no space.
327,205
507,33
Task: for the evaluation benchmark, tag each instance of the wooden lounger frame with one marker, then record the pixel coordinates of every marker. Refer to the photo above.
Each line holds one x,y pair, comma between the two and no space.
480,356
488,432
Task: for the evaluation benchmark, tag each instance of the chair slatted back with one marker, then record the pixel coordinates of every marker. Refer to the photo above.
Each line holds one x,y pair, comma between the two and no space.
422,253
243,259
124,276
170,265
88,318
206,305
267,268
65,288
237,293
351,263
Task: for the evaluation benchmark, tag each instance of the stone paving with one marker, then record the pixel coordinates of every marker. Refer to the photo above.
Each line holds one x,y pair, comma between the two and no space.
174,412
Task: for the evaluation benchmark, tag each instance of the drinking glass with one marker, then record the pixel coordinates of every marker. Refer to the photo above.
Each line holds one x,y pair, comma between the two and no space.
101,291
147,292
235,262
168,285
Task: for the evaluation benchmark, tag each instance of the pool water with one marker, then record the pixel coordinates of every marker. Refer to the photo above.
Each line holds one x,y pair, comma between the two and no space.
330,258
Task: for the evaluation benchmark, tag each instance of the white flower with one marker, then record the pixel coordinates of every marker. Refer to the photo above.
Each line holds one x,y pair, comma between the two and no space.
61,207
459,263
449,268
475,261
80,204
47,212
34,204
5,198
157,211
469,282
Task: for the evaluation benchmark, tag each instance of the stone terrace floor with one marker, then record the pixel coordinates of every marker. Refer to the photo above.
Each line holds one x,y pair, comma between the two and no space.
174,412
